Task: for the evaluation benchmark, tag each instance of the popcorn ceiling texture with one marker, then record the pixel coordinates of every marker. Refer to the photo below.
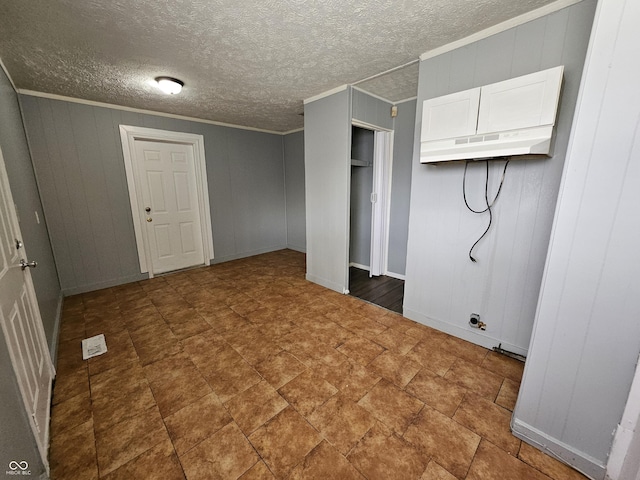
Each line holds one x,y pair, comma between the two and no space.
249,62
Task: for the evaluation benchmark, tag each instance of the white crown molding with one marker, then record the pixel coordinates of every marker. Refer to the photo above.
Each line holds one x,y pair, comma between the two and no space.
404,100
6,72
391,70
295,130
386,100
53,96
326,94
500,27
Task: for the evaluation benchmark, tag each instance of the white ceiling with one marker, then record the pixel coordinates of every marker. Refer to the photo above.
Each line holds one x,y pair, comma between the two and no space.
244,62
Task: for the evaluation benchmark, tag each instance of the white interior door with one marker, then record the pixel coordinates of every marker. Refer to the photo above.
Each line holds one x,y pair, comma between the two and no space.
167,181
21,322
380,203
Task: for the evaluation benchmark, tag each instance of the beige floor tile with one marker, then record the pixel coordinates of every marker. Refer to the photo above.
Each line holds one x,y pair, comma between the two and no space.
380,456
284,441
342,421
73,453
194,423
259,471
120,350
253,407
436,472
395,368
490,459
547,465
391,406
432,358
488,420
352,379
127,439
447,442
395,341
225,454
361,350
175,383
475,378
160,461
181,345
70,413
436,392
504,366
466,350
325,462
508,394
116,406
307,391
280,369
70,385
232,379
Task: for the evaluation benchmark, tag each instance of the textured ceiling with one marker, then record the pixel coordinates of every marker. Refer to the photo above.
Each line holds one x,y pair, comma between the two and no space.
244,62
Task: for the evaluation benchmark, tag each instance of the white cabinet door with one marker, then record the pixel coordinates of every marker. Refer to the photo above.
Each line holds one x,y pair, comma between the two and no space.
453,115
521,102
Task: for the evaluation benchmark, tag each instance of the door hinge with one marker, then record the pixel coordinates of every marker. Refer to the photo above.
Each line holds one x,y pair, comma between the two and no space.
374,197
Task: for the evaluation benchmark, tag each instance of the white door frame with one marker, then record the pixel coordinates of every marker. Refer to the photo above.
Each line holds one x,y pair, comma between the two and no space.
129,134
380,196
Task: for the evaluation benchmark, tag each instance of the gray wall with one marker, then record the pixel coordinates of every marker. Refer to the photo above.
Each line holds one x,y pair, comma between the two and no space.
371,110
327,152
16,441
27,199
442,285
586,338
403,127
294,185
79,164
360,204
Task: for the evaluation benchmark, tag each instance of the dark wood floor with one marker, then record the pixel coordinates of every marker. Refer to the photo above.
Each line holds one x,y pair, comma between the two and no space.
384,291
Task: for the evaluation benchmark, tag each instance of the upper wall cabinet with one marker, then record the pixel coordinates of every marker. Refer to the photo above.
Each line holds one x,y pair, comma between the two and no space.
452,115
513,117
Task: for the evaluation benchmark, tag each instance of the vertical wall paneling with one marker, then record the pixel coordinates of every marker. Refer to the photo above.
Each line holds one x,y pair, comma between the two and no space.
327,147
401,187
442,285
586,335
80,167
293,145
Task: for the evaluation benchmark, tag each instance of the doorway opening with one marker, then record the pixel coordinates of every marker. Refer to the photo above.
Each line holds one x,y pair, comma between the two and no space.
371,162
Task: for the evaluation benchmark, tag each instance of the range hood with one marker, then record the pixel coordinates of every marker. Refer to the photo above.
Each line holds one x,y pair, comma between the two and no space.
514,117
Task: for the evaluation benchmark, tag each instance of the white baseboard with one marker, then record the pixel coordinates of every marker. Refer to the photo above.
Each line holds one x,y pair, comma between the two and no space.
473,335
360,266
395,275
553,447
326,283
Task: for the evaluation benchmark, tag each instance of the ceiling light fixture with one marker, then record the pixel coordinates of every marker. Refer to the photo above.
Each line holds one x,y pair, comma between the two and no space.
169,85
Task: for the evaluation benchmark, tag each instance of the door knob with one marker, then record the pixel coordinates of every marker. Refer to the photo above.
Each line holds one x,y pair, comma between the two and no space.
147,209
24,264
149,219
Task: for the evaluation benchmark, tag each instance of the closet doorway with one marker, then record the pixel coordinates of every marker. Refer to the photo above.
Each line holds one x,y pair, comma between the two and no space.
371,163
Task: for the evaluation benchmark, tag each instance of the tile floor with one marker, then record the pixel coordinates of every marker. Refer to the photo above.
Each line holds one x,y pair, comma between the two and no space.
246,370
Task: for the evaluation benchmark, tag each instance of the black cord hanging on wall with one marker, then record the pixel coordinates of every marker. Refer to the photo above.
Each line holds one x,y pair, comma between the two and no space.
486,199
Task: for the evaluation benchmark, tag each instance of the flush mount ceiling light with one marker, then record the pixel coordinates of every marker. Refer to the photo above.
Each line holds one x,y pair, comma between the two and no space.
169,85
